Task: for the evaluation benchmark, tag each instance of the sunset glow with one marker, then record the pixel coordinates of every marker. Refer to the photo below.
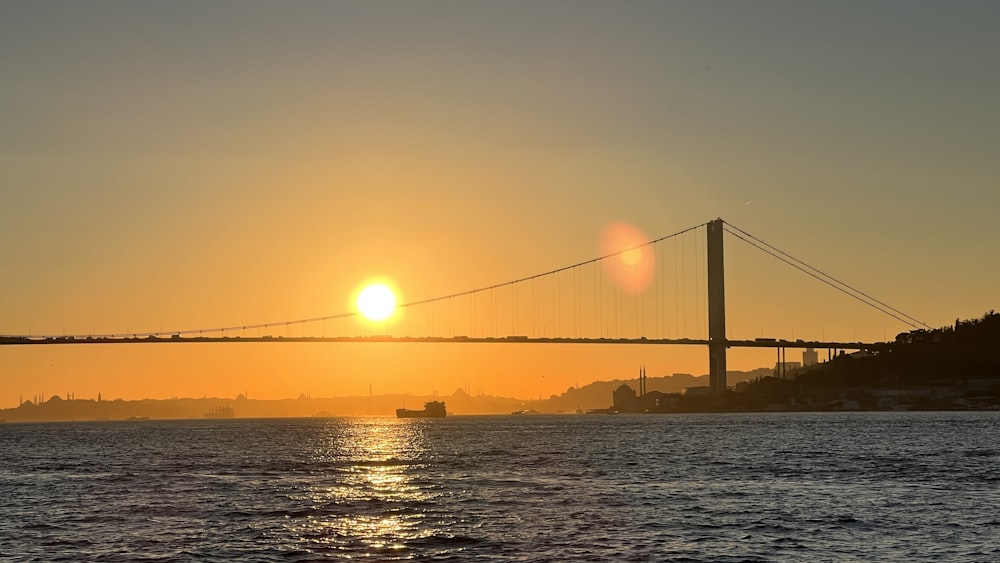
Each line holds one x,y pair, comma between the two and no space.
170,167
376,302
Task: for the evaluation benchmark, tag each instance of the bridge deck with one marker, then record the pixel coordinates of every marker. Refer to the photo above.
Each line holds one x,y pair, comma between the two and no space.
151,339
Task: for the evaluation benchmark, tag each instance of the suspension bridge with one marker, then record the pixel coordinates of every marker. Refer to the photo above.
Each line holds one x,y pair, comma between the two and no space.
617,298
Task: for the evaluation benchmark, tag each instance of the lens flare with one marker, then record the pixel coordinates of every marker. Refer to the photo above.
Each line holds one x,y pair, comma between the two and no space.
631,266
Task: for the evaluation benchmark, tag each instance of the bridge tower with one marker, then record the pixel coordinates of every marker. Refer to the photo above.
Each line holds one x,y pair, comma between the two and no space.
716,308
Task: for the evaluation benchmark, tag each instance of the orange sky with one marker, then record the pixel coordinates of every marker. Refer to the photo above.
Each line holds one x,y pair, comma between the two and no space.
167,167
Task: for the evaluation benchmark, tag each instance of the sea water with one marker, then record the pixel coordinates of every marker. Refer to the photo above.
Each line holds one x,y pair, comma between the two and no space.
705,487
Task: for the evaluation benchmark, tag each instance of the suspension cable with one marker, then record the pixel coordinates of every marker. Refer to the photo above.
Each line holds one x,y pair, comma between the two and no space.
823,277
490,288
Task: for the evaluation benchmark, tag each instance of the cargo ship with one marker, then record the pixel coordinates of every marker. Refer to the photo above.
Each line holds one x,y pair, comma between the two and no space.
433,409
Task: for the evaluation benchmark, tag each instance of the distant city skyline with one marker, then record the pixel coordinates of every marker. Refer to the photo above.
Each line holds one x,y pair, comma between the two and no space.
169,166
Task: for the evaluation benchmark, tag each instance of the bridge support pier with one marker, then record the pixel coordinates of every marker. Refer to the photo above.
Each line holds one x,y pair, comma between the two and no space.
717,343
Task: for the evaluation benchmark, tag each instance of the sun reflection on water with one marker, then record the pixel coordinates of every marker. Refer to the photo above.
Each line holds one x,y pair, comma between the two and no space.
365,500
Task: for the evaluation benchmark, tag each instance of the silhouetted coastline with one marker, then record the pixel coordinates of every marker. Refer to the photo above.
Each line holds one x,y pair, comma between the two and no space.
951,368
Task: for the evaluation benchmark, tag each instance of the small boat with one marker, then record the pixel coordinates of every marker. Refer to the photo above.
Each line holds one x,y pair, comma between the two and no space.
433,409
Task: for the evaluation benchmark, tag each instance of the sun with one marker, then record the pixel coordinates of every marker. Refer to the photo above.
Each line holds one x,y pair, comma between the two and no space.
376,302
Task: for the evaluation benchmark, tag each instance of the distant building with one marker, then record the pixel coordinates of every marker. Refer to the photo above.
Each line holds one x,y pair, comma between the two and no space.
810,357
626,400
696,391
623,396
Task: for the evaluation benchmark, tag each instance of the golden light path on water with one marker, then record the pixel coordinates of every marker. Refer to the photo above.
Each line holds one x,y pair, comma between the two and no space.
366,498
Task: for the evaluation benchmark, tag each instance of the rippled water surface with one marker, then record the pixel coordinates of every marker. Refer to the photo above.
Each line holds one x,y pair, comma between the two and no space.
755,487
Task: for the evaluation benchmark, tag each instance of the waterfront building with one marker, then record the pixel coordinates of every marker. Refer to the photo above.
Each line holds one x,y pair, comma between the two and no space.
810,357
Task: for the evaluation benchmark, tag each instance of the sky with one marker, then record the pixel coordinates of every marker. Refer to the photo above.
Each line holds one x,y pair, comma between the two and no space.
177,165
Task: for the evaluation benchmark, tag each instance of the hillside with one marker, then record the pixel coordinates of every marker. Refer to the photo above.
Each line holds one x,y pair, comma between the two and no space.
597,395
952,367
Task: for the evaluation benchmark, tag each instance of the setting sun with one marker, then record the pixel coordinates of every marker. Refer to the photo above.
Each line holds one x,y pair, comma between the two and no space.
376,302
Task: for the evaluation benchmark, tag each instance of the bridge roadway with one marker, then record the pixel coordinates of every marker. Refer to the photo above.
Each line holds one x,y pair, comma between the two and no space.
176,339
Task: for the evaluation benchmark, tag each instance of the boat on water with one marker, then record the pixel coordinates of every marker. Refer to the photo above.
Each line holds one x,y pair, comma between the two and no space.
433,409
